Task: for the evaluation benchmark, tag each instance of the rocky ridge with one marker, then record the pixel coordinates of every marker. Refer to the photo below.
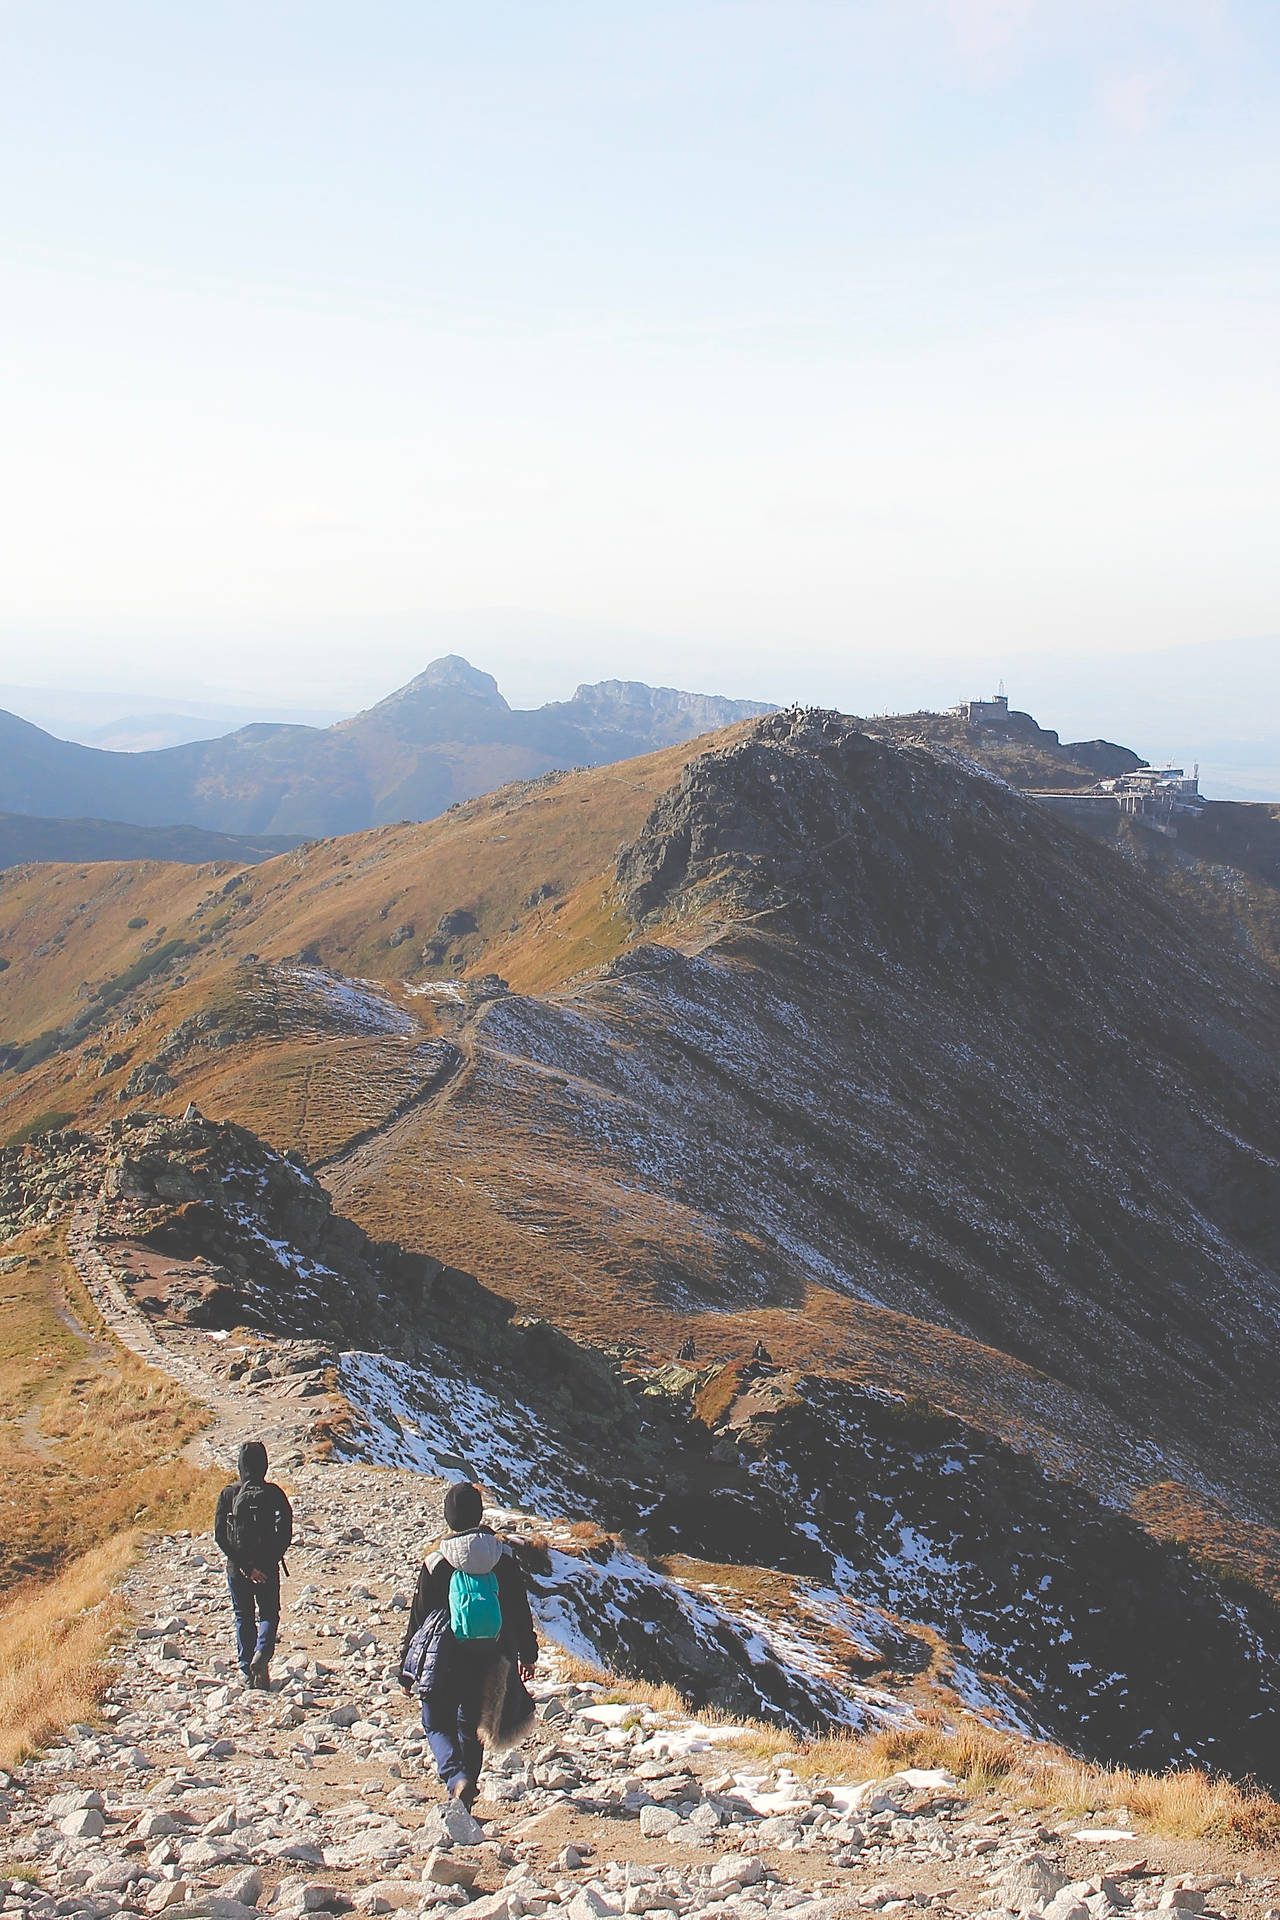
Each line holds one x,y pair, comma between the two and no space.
222,1263
771,1542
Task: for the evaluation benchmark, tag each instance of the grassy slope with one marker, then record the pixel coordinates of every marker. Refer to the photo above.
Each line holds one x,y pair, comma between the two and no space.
65,930
91,1439
90,1456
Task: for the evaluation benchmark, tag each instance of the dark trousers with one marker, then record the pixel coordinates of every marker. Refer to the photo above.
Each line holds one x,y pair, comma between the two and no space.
451,1710
257,1611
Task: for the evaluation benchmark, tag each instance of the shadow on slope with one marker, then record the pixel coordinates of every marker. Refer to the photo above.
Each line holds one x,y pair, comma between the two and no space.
927,1549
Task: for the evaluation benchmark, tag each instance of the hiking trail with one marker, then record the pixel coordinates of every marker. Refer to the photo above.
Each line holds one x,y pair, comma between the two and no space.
197,1798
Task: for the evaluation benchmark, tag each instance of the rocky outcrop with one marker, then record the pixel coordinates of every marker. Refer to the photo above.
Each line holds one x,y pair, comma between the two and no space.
811,820
633,718
1125,1648
1103,757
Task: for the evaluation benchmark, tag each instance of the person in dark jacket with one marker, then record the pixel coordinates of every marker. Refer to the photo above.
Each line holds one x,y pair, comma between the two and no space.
254,1527
472,1690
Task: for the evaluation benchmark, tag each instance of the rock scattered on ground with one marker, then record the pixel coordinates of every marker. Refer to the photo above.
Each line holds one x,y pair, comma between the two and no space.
198,1798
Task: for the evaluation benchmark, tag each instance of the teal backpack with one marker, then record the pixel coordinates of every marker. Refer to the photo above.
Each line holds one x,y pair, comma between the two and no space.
475,1612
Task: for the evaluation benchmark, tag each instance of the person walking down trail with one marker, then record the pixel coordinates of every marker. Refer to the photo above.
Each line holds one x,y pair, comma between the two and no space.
254,1527
469,1646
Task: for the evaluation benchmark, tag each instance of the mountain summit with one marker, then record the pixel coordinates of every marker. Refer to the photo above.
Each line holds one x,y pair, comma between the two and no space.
448,677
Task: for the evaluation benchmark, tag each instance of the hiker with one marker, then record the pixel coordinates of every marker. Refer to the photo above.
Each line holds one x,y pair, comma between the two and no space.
469,1646
687,1350
254,1526
760,1353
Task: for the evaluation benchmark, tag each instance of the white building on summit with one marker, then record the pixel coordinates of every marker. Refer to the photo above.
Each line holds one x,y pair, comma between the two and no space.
1168,785
985,713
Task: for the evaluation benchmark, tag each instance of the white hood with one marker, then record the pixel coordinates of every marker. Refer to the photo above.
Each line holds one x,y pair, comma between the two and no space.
477,1552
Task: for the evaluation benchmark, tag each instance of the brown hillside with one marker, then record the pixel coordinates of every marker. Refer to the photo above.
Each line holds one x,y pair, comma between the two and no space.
525,873
868,1058
812,1038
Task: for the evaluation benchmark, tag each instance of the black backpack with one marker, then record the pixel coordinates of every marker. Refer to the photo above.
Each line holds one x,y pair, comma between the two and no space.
253,1526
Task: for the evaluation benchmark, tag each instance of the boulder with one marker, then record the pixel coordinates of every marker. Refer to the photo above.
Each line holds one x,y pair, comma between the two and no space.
217,1906
450,1825
588,1904
169,1893
245,1886
64,1803
737,1870
490,1906
1031,1882
87,1824
156,1826
448,1872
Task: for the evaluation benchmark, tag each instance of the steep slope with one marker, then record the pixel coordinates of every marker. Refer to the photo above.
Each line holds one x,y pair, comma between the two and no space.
444,737
1130,1652
1222,862
946,1059
1221,865
514,880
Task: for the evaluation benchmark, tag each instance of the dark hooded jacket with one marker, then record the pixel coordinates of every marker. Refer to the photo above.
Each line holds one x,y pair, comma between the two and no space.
508,1707
252,1465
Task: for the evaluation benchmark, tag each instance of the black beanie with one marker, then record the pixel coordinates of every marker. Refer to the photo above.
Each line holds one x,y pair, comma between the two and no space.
252,1464
463,1507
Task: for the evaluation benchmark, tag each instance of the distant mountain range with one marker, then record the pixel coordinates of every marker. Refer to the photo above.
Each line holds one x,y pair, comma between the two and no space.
26,836
446,736
131,721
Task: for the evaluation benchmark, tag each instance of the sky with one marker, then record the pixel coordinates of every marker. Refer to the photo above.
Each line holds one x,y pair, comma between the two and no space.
744,345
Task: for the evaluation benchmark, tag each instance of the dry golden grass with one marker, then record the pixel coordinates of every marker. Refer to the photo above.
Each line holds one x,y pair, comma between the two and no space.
90,1454
312,1095
1186,1805
91,1443
662,1699
492,857
1231,1548
53,1646
56,1637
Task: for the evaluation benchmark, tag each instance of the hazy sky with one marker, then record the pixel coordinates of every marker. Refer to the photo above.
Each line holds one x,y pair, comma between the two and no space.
721,344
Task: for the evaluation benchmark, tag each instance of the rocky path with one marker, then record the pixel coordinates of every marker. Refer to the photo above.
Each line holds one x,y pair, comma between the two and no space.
240,1413
196,1798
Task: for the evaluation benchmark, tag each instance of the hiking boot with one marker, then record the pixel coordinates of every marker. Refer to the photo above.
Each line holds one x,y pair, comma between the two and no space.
464,1790
260,1673
247,1679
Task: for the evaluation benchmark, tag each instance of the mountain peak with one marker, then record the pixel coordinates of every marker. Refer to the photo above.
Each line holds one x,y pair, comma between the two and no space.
451,674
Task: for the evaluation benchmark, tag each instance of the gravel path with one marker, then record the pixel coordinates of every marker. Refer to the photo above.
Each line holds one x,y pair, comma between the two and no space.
198,1798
